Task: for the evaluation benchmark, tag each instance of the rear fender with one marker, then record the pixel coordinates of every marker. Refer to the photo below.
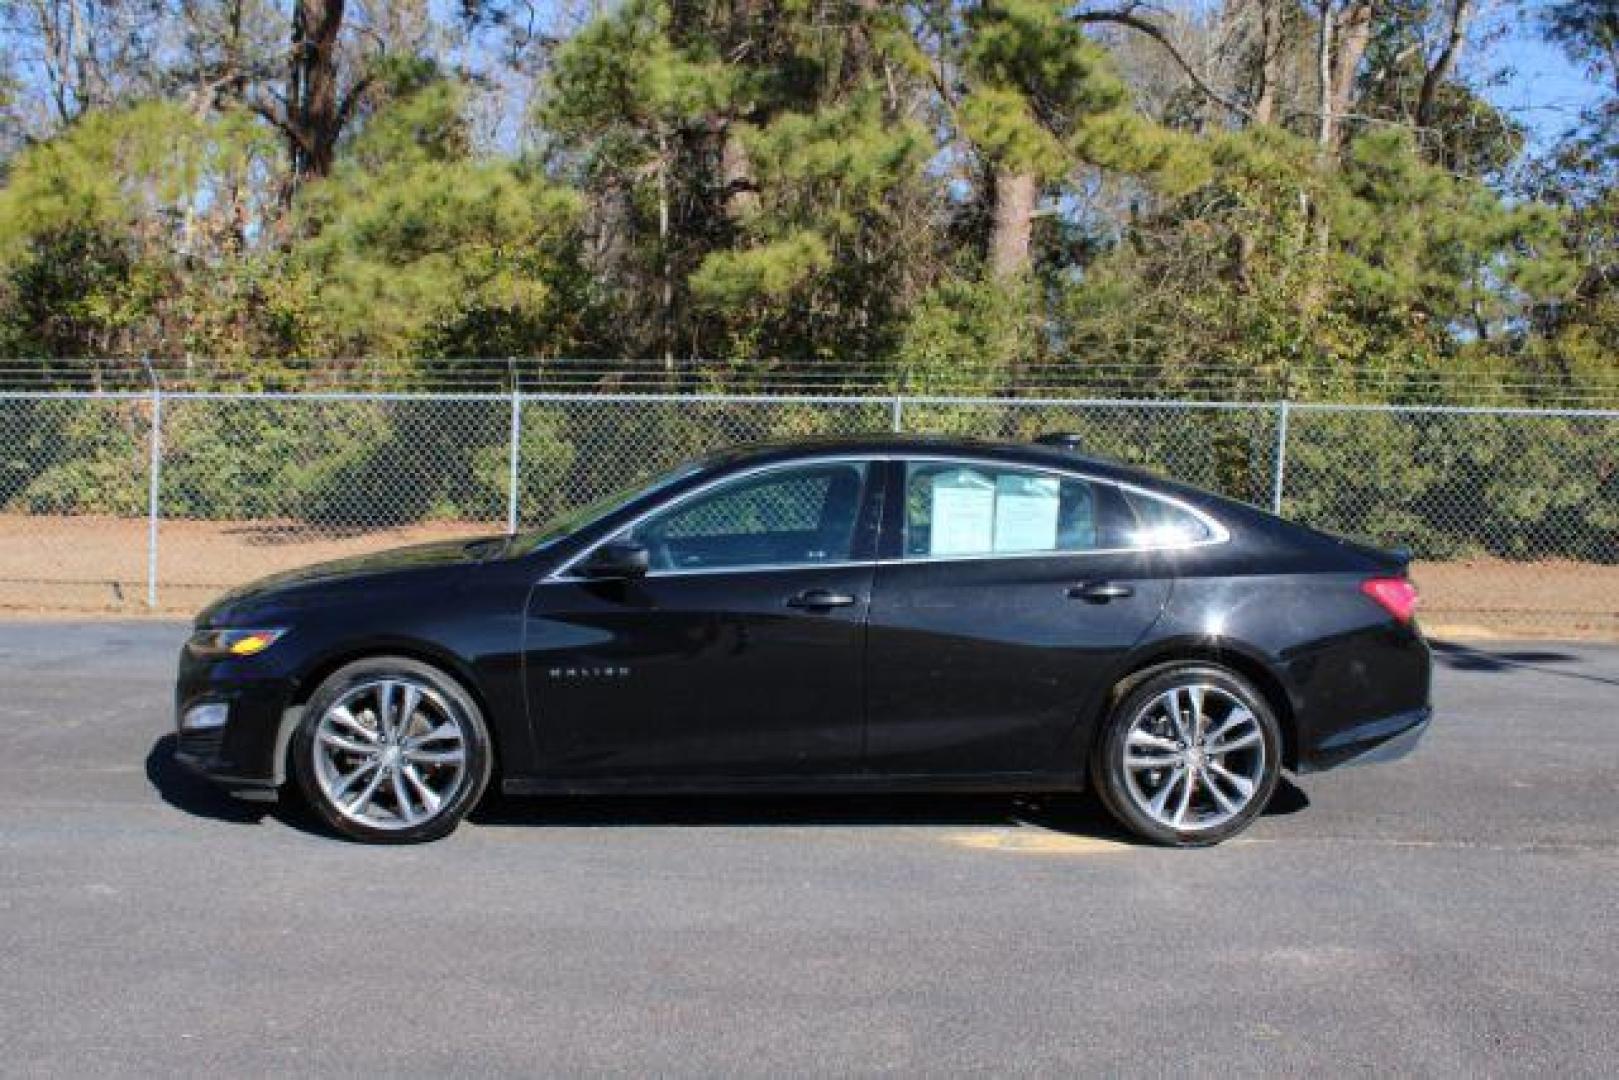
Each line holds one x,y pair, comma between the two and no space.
1241,657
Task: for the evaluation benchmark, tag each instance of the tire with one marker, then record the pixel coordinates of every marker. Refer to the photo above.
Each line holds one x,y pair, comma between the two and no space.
1177,781
392,751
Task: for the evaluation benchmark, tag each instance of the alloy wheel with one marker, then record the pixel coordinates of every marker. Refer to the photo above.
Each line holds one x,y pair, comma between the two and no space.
1194,757
390,753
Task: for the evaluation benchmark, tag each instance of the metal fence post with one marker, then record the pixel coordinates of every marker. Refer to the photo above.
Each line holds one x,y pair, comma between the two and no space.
898,414
154,485
1281,457
512,456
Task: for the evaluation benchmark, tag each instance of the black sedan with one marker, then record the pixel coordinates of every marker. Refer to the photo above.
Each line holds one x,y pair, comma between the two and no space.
877,614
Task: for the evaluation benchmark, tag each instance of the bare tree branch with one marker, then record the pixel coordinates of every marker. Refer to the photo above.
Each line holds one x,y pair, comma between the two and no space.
278,120
352,99
1128,18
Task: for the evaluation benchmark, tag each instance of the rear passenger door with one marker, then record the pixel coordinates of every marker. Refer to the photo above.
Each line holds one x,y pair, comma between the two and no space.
1005,596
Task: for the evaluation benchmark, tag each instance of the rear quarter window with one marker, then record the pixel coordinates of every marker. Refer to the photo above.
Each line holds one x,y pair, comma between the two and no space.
1162,524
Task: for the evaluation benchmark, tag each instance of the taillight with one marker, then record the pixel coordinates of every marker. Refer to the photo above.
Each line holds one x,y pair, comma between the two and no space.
1396,594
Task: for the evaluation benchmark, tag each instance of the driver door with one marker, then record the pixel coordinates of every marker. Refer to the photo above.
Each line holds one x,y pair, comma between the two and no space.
739,654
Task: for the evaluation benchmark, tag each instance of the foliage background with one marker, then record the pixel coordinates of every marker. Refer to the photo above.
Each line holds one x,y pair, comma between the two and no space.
1313,198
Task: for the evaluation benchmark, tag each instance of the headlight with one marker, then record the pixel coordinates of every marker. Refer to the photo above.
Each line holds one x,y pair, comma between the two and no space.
233,642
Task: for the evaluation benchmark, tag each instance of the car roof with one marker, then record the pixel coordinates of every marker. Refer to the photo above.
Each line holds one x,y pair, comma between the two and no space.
886,444
1231,513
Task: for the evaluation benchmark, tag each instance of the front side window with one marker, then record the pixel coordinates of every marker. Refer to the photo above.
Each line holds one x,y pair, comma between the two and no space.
962,509
570,521
796,515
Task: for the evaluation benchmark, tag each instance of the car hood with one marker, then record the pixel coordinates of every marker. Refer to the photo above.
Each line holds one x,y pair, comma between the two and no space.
355,568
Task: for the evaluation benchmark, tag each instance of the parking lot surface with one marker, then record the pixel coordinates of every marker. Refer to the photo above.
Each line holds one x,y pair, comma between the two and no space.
1453,913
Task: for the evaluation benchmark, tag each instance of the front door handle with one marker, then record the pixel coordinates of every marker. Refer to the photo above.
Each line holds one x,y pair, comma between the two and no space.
1100,592
820,599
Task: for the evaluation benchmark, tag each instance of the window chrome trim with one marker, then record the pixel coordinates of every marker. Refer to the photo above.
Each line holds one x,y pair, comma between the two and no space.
775,466
1218,533
753,568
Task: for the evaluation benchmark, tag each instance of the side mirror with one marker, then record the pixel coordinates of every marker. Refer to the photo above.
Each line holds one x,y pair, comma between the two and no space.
617,559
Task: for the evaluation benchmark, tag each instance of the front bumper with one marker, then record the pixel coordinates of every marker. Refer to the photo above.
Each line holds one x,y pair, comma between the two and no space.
247,753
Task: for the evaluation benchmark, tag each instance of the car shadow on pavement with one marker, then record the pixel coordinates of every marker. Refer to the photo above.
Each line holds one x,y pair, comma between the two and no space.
1077,814
1469,658
196,796
190,793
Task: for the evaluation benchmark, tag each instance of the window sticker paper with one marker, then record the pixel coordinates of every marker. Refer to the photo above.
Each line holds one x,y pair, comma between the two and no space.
1026,509
963,513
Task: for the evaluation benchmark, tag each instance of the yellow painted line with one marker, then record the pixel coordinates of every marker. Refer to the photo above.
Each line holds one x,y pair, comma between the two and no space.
1460,631
1037,842
1527,630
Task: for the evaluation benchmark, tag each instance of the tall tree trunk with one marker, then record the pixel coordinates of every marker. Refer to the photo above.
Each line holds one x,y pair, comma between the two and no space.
858,46
1461,13
741,191
1353,34
666,261
1010,242
1326,130
314,100
1269,73
746,40
1270,61
1013,223
1341,40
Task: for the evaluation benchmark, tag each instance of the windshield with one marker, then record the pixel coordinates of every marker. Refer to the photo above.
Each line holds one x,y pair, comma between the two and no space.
570,521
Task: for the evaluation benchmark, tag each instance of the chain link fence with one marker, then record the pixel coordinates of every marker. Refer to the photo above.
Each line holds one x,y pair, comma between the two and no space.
130,501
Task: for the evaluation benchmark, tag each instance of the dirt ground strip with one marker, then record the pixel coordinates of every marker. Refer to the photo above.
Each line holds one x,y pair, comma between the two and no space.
97,566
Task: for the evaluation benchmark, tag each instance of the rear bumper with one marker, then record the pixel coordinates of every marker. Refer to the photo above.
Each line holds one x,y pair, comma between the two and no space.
1353,692
1386,739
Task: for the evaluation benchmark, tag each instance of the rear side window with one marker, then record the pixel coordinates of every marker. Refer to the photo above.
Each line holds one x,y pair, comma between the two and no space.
1161,524
962,509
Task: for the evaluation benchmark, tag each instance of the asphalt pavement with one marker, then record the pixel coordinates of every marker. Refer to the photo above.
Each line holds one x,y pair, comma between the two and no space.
1454,913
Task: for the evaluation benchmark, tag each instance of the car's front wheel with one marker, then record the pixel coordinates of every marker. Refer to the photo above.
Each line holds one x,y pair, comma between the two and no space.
1189,757
391,750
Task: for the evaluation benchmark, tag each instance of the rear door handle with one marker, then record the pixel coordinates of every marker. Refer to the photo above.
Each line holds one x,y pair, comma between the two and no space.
820,599
1100,592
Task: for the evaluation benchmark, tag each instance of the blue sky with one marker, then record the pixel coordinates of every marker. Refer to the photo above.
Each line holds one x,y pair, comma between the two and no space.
1541,87
1545,90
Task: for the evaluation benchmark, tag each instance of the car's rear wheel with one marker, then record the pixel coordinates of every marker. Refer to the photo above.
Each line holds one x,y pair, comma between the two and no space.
391,750
1189,757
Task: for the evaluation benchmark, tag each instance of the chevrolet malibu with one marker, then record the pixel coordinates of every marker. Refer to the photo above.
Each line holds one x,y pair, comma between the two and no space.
878,614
